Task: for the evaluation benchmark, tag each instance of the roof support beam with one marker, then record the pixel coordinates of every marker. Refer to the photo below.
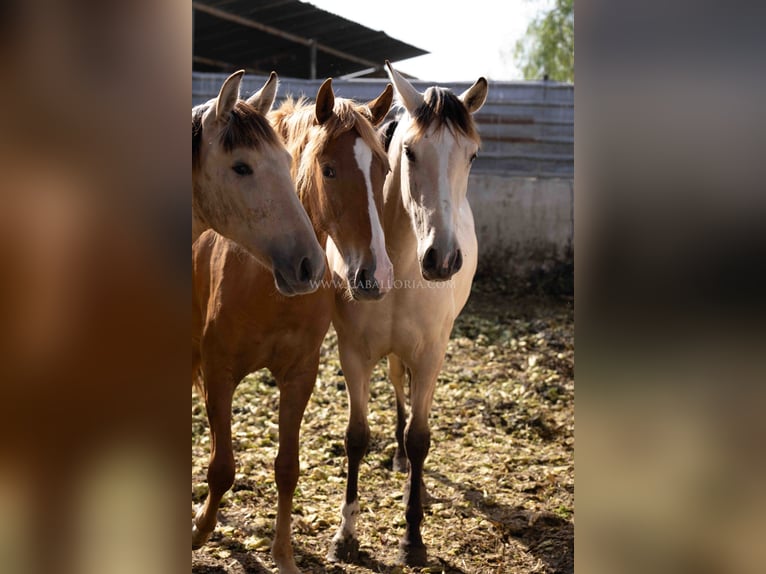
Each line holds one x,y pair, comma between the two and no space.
313,58
225,66
249,23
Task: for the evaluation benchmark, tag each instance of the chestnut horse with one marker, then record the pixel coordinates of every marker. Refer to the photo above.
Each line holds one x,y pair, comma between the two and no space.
430,237
241,186
241,324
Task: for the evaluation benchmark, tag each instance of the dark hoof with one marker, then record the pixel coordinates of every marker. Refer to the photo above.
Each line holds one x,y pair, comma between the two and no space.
198,537
412,555
343,550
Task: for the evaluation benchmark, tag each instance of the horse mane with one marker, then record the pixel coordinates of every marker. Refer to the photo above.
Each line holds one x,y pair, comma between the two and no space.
246,127
386,132
294,120
441,107
197,113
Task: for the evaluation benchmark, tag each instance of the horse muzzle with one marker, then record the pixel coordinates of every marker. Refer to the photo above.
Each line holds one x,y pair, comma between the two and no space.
438,265
365,287
298,278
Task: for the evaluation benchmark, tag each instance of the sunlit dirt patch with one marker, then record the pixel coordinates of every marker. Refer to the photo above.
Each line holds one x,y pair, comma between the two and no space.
500,473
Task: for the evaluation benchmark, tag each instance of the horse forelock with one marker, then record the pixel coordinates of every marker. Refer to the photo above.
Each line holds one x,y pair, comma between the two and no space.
442,108
295,121
246,127
358,116
386,132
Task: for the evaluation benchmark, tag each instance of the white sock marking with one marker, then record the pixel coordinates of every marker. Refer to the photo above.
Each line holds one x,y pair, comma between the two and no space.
349,514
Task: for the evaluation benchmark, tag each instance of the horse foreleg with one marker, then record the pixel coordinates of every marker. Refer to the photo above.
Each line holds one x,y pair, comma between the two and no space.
400,376
294,393
345,545
397,373
417,442
220,472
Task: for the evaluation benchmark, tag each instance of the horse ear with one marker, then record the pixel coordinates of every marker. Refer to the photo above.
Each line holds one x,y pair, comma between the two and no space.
379,106
409,96
475,96
228,95
263,99
325,102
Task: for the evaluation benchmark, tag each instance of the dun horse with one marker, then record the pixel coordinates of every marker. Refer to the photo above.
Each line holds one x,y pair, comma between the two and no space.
241,324
241,186
430,236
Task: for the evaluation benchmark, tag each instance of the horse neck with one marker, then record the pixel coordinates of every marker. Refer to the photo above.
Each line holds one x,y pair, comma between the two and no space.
199,225
401,242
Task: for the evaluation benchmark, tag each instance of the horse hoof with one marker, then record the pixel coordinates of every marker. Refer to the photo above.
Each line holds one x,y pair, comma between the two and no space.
400,464
285,563
344,550
412,555
198,537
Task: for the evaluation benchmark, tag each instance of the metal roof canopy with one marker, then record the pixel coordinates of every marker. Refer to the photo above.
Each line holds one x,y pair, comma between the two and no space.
294,38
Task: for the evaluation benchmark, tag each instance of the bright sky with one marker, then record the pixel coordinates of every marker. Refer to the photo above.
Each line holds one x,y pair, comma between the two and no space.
466,39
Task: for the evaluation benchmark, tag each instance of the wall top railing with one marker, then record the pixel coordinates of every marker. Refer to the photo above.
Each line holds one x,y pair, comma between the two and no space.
527,128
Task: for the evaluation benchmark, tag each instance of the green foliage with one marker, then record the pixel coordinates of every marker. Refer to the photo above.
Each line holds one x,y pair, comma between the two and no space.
548,46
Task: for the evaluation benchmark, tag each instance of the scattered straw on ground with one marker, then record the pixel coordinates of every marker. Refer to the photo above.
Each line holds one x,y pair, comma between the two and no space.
500,473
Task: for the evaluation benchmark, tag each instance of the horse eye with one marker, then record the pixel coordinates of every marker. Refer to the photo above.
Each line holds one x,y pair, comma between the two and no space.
409,153
328,171
242,168
474,156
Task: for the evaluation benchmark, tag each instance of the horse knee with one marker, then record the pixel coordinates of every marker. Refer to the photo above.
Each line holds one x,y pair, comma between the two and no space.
357,440
417,441
286,471
220,475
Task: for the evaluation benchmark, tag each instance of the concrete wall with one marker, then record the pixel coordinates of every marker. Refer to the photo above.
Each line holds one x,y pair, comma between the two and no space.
521,187
524,225
527,128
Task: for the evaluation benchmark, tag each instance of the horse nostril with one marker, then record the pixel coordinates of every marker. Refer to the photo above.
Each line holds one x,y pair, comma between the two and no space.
363,282
429,259
304,271
458,261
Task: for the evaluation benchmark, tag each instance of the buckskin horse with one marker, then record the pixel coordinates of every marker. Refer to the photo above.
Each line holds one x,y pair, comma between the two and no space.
430,237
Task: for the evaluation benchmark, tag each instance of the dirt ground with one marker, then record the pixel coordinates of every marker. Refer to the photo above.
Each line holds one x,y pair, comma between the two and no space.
500,473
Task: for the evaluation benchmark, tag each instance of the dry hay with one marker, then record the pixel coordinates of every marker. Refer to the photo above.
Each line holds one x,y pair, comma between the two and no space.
500,473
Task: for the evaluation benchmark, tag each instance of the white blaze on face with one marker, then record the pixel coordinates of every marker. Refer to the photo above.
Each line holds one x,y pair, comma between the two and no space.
384,270
335,260
445,149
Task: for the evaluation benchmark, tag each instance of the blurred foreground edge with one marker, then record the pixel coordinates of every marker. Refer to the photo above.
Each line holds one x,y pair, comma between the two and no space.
94,287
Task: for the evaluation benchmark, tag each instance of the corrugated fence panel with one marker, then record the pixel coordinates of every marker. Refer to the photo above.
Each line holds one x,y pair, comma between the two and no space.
527,128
